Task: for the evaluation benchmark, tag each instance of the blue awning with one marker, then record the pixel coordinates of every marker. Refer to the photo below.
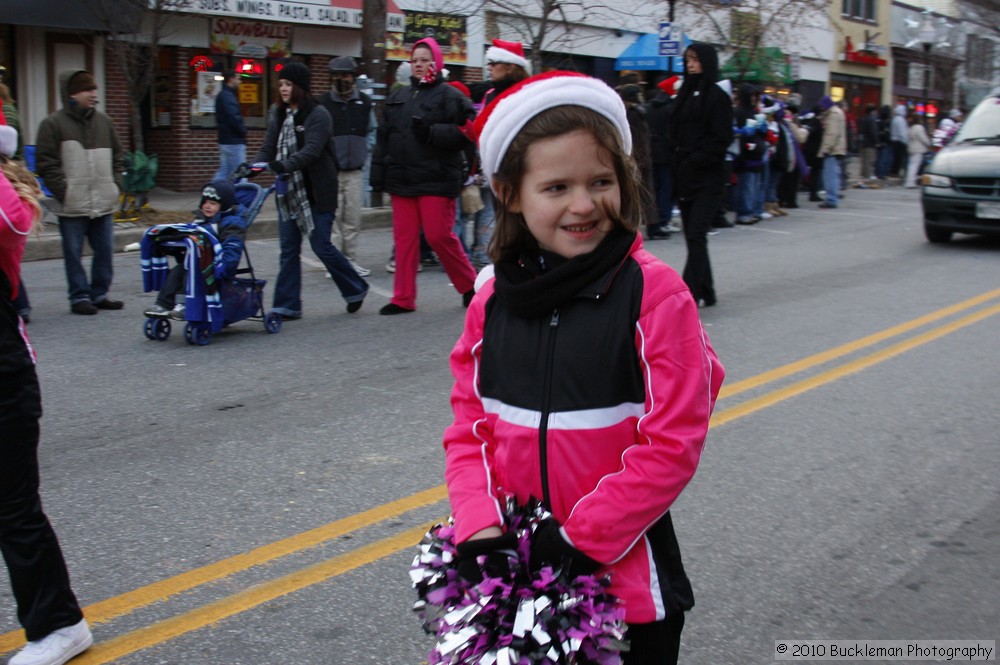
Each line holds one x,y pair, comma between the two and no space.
644,54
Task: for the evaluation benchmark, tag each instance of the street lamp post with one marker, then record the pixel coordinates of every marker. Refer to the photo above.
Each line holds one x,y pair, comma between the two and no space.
927,37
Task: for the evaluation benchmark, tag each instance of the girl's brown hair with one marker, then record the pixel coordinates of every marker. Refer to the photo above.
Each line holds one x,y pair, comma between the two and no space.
511,237
26,185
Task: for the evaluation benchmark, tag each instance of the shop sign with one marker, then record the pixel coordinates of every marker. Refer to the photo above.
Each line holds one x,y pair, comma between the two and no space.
342,13
209,84
863,57
448,30
249,93
250,39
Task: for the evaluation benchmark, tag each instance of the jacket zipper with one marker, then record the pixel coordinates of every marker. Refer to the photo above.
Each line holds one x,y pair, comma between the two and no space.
543,426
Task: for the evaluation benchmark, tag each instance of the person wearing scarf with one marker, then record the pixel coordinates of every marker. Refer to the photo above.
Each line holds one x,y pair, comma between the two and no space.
419,159
297,147
583,376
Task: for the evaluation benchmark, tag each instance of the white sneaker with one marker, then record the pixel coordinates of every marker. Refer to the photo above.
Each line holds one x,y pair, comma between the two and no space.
57,647
177,313
766,215
362,272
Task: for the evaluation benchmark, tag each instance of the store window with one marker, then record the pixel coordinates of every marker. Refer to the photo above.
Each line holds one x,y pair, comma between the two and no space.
162,92
257,87
863,10
7,57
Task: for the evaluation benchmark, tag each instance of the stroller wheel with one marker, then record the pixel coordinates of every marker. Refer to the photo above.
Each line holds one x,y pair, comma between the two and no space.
158,329
272,322
195,334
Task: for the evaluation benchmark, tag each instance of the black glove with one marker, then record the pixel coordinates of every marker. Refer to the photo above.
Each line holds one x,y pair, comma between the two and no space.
421,129
497,552
276,166
548,547
243,171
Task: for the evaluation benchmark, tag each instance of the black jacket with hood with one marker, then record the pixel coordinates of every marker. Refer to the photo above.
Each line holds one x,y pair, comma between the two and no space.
702,128
404,165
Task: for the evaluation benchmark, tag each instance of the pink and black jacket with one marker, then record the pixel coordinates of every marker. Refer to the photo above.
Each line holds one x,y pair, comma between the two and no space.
601,408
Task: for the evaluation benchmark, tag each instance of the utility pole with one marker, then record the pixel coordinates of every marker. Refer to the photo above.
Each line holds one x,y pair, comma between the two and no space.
373,58
373,40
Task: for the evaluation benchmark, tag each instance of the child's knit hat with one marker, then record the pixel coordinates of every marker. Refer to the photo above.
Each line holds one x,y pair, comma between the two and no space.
221,191
500,122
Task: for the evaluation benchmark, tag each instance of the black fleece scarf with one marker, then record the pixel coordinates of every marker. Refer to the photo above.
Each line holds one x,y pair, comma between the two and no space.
536,285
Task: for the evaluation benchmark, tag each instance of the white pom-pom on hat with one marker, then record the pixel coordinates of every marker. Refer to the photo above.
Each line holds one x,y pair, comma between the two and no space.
8,140
500,122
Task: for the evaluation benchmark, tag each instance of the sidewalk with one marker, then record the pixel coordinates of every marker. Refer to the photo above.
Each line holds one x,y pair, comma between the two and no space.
169,206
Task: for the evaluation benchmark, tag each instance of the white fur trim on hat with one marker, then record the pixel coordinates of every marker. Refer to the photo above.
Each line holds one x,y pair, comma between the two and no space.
8,140
497,54
512,112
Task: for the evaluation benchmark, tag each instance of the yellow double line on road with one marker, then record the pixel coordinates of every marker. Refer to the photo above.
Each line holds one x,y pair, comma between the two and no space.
107,610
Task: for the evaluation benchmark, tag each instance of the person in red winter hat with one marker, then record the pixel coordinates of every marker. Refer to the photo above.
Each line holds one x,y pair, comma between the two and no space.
507,65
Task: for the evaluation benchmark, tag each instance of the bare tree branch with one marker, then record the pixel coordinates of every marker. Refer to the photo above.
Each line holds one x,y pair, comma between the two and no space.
134,30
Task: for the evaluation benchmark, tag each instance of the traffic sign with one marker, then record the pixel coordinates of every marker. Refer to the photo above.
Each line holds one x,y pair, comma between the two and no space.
670,39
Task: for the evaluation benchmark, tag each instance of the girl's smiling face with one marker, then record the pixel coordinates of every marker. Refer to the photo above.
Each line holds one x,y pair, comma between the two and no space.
568,186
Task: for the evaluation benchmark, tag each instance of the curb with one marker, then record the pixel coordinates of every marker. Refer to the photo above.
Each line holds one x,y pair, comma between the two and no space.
49,244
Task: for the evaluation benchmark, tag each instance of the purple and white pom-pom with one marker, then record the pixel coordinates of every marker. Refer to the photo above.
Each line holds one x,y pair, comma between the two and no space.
520,618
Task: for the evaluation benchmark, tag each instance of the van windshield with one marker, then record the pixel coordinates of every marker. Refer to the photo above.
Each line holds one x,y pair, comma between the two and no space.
982,124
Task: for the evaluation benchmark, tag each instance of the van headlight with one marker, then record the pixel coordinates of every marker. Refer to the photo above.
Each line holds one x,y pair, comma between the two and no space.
935,180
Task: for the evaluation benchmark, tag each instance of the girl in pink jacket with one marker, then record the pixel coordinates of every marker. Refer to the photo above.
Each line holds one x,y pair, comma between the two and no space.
583,376
46,606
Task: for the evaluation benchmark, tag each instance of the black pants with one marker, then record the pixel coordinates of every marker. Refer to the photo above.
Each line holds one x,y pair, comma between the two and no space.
45,601
656,643
697,214
176,282
788,188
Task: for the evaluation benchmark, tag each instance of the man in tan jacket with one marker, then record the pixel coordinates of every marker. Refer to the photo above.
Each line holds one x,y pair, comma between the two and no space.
80,159
832,150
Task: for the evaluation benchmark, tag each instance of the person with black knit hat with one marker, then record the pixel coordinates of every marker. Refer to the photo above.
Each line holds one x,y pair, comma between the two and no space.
295,147
226,220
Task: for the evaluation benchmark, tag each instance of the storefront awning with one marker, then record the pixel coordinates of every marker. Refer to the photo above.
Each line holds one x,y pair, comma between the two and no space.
644,54
765,65
314,13
96,15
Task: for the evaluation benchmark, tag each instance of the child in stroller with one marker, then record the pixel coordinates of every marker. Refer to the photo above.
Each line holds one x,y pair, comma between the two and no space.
226,219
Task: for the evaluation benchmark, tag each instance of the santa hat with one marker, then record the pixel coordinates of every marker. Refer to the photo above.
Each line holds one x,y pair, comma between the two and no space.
461,87
508,52
506,116
8,138
670,85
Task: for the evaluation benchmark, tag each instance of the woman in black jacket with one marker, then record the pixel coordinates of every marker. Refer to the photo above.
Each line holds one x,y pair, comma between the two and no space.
701,131
419,159
298,147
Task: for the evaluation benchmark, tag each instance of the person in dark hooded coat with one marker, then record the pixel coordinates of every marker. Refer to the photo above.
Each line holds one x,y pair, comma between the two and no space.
701,131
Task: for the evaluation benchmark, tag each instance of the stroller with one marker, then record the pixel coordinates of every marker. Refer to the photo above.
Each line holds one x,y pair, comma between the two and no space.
140,177
212,302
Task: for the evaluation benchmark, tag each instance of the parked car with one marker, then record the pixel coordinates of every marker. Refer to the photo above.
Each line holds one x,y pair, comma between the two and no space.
960,190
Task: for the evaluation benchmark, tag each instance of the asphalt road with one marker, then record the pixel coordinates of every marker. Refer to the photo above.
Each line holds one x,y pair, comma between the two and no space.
257,500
